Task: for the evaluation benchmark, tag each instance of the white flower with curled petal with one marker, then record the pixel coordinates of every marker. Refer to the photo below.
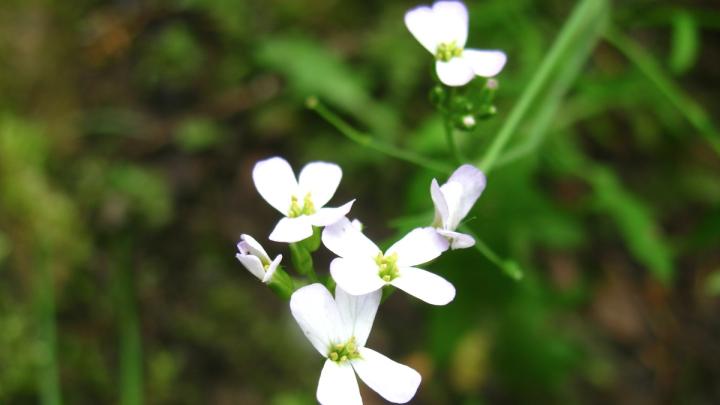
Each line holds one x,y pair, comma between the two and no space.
252,255
443,29
300,200
363,268
453,200
338,329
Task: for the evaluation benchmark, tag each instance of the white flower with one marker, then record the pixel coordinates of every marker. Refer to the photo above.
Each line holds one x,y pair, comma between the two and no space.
453,200
443,29
301,200
338,328
255,259
362,268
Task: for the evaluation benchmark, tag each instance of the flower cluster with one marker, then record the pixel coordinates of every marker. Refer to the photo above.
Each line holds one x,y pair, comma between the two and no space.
443,30
339,327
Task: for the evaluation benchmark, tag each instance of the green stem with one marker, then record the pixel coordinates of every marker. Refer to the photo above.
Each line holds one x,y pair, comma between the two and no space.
130,347
302,260
509,267
581,16
367,141
692,111
47,378
547,112
282,284
449,136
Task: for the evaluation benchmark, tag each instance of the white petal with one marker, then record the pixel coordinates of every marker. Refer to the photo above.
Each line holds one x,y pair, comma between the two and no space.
457,240
453,193
251,246
338,385
358,312
473,183
451,22
419,246
357,276
291,230
315,311
343,239
275,181
328,216
424,285
271,269
253,264
441,207
321,180
455,72
485,63
420,21
393,381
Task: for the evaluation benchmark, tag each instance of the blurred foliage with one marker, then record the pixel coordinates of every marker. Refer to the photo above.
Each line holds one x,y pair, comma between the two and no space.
128,130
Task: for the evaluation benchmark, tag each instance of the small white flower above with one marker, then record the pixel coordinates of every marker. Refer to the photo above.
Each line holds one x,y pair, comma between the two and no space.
338,329
301,200
453,200
443,29
363,268
252,255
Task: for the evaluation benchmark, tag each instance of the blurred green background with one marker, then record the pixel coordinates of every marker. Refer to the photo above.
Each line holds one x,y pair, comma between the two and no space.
128,130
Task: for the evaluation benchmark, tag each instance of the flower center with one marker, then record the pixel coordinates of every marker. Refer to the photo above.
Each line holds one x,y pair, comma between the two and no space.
446,51
387,267
307,208
342,352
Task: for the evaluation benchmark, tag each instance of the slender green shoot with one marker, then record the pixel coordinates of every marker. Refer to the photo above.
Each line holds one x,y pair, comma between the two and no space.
452,145
583,14
647,65
369,142
509,267
48,378
130,341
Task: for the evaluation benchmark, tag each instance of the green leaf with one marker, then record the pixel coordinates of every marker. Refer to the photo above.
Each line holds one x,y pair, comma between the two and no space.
312,70
685,43
635,222
198,134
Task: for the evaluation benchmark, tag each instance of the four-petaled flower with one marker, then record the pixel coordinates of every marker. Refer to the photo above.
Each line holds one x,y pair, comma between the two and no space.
453,200
300,200
363,268
338,328
443,29
252,255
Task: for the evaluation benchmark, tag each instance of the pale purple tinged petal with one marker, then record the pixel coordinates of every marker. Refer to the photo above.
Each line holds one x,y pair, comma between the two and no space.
457,240
253,264
253,247
441,207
